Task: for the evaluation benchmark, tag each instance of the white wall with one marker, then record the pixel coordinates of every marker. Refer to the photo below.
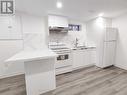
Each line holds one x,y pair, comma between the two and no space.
121,54
29,25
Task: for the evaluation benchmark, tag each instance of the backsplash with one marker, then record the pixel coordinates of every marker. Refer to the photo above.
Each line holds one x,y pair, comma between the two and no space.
33,41
68,38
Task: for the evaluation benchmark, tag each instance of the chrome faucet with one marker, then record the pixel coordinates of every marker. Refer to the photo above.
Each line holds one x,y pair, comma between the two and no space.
76,42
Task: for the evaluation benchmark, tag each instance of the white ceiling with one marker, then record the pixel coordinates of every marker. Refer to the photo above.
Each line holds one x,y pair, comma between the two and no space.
76,9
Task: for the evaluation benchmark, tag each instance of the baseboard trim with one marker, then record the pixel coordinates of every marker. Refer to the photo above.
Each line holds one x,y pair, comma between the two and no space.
121,67
12,75
83,67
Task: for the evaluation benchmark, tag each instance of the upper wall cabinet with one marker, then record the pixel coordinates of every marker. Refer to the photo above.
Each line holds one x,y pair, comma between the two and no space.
4,27
10,27
57,21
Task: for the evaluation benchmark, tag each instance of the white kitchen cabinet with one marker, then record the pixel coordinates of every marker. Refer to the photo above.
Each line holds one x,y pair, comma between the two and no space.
109,53
78,60
83,58
10,27
57,21
15,27
93,56
4,27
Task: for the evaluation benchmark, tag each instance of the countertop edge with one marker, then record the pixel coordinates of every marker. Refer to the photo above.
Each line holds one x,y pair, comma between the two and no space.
17,57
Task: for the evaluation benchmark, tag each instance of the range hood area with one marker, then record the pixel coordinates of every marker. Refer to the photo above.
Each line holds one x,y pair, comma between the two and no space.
57,23
58,29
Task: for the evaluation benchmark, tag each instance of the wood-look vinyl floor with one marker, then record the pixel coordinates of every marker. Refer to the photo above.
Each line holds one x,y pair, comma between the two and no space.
88,81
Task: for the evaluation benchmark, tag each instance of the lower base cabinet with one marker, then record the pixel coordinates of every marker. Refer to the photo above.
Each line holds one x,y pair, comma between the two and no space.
83,58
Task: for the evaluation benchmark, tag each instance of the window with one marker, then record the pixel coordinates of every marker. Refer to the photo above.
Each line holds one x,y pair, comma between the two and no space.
73,27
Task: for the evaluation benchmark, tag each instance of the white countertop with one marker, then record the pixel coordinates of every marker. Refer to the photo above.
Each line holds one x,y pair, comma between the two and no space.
86,47
32,55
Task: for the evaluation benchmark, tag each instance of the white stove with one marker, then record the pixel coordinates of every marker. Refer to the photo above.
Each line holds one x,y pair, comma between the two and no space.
64,59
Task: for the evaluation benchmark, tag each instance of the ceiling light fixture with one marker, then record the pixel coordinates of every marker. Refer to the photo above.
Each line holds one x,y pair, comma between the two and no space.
101,14
59,4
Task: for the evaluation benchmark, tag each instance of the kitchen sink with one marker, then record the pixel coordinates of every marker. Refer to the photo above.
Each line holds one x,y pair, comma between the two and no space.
80,48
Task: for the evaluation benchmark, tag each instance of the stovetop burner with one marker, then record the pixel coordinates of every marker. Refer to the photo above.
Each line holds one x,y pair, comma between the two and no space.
59,48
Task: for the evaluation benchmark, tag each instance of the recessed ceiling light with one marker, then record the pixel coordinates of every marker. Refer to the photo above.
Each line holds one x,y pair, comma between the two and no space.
59,4
101,14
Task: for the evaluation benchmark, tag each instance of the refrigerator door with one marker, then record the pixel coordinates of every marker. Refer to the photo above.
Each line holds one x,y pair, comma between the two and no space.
109,53
110,34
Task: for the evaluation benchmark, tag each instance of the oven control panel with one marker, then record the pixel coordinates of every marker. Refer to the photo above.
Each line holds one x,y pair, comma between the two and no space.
62,57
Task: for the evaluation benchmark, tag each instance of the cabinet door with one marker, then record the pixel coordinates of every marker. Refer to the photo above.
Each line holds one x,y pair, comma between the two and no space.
4,27
110,34
80,58
10,27
93,56
83,58
76,59
109,53
57,21
87,57
15,28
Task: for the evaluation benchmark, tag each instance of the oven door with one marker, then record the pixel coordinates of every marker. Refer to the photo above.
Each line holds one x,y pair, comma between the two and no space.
63,60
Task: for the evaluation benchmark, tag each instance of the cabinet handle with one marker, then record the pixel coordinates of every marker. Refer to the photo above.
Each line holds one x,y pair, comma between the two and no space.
9,26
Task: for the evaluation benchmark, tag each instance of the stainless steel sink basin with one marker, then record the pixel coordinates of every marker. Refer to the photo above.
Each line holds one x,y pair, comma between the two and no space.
80,48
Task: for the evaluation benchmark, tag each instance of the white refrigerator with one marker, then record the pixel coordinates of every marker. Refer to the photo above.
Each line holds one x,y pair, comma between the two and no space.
107,48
